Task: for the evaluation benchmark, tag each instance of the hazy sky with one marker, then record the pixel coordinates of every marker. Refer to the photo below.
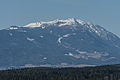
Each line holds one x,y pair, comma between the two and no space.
21,12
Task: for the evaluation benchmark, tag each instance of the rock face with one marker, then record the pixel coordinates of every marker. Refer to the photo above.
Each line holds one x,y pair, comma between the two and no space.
67,42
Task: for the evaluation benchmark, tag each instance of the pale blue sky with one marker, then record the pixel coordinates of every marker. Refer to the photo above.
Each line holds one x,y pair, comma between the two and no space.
21,12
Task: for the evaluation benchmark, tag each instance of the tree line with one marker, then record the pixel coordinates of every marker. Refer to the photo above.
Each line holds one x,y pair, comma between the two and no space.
109,72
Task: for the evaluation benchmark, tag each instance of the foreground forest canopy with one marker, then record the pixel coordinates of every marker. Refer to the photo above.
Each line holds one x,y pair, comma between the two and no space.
109,72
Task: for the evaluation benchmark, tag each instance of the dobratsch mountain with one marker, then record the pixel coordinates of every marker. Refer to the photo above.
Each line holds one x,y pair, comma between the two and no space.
69,42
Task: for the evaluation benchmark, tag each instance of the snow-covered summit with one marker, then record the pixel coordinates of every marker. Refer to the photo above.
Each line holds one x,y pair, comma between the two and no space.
75,25
58,22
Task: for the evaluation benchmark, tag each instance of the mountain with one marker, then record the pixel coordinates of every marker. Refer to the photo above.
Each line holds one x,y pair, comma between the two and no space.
62,43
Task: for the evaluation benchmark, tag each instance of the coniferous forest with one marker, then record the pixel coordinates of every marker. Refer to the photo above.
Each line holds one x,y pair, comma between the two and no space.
108,72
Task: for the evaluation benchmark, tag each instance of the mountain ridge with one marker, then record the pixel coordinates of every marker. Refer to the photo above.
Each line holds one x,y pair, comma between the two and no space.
69,42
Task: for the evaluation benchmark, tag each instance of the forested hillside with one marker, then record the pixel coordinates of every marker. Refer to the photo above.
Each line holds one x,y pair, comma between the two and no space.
88,73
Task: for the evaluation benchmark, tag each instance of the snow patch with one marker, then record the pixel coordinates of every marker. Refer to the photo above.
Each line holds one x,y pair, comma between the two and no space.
12,28
41,36
30,39
59,39
45,58
37,24
65,36
65,54
69,21
70,54
81,22
87,55
108,59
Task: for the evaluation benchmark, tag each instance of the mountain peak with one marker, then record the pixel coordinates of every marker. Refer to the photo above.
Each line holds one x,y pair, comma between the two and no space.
69,21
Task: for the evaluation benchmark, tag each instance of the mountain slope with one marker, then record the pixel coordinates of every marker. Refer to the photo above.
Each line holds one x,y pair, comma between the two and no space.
67,42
